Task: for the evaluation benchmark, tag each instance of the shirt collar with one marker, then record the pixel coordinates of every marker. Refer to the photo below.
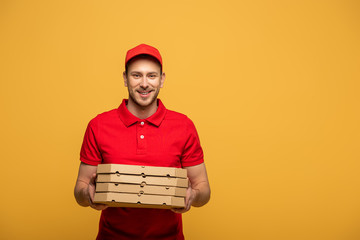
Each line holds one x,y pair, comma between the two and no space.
129,119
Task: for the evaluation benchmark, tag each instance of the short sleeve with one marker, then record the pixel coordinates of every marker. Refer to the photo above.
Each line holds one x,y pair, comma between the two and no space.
192,154
90,153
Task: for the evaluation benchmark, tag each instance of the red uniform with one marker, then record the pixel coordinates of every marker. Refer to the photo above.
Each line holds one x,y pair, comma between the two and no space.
165,139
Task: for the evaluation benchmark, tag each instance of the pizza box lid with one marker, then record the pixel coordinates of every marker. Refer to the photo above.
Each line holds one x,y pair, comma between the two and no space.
139,200
142,170
141,189
147,180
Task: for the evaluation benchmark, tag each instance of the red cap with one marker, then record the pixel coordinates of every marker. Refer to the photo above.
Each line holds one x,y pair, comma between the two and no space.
143,49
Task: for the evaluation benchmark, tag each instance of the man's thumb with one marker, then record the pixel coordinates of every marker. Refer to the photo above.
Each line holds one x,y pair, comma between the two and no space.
93,177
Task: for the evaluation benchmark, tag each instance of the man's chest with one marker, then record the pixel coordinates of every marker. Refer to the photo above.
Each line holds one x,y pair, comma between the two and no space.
142,144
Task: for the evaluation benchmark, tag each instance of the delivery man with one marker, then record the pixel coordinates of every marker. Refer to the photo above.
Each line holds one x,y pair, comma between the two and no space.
141,131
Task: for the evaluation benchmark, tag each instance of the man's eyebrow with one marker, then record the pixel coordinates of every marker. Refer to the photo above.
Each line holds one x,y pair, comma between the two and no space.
141,72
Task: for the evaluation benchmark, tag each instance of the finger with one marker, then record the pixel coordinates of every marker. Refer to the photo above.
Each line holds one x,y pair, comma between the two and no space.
189,198
178,210
188,195
188,206
93,178
91,198
91,192
174,210
186,200
99,206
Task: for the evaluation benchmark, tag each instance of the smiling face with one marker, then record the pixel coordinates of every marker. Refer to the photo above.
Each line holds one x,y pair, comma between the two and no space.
143,80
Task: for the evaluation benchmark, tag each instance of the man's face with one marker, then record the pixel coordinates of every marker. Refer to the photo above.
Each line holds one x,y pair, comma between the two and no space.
144,81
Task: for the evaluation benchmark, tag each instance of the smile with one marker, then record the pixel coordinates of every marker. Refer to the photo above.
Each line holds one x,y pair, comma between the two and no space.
144,93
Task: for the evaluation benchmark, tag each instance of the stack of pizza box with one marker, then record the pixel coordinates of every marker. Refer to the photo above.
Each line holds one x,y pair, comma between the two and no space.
119,185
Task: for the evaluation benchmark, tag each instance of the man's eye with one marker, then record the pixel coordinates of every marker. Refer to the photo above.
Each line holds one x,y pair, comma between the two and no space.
136,75
152,76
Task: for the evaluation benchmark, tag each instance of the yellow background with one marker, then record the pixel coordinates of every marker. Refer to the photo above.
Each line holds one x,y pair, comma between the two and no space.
272,87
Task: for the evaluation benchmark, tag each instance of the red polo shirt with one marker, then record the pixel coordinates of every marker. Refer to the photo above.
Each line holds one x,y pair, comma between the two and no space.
165,139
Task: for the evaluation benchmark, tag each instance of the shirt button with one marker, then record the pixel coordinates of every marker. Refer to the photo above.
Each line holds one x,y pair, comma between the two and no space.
142,123
142,136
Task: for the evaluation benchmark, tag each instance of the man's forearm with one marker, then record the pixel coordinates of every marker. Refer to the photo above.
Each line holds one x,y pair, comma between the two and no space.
202,196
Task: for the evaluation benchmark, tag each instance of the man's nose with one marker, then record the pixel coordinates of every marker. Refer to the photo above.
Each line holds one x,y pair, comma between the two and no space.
144,82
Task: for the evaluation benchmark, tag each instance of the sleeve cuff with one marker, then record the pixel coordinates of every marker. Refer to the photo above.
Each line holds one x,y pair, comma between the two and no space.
90,162
192,163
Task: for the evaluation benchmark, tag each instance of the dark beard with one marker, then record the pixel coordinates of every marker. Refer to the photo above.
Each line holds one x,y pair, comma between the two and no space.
139,105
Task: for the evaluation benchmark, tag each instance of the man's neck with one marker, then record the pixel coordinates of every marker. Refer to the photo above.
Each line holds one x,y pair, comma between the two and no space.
141,112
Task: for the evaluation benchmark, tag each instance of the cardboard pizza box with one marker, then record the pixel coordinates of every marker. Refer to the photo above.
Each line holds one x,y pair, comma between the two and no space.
141,189
138,179
139,200
142,170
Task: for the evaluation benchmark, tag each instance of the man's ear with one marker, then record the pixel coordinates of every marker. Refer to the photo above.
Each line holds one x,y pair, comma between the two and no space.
162,80
125,78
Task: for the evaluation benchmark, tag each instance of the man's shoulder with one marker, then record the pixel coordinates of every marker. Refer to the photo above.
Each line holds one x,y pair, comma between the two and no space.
178,117
170,114
103,116
109,113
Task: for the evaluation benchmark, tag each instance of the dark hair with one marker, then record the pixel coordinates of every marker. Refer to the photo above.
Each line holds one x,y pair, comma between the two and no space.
142,56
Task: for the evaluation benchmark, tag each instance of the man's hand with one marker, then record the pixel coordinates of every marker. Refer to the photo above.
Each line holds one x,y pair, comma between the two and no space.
85,187
91,193
198,192
190,196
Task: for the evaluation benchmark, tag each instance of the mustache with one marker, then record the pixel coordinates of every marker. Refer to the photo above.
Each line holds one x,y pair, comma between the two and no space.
145,90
